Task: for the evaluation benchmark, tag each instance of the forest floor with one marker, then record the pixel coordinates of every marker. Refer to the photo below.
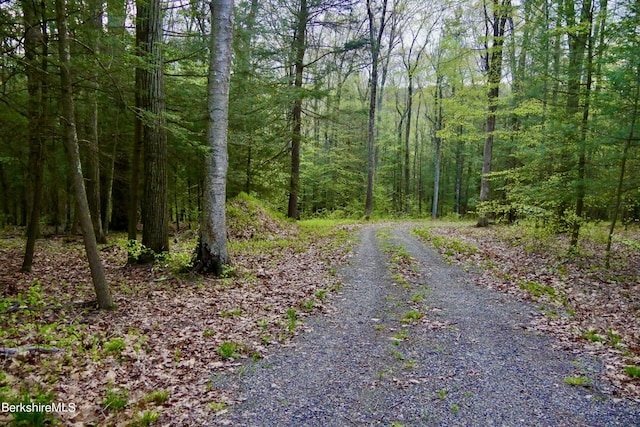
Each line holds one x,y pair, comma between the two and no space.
163,356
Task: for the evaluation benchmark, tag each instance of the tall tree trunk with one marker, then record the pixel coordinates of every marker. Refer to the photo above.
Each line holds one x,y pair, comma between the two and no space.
437,145
493,66
579,39
33,45
138,136
407,133
95,264
459,170
155,221
212,253
92,158
299,45
623,164
375,38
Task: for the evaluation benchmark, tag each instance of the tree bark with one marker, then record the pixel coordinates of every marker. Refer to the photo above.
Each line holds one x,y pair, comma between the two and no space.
212,253
300,45
155,221
95,264
579,39
375,41
92,158
33,45
493,63
437,144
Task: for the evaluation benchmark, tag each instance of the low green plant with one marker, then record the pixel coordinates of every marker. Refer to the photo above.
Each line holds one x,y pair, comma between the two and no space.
614,339
411,316
207,333
145,418
115,346
593,336
115,399
231,313
158,396
308,305
455,408
321,294
633,371
217,406
229,350
401,335
577,380
410,364
395,353
30,418
292,315
538,290
417,297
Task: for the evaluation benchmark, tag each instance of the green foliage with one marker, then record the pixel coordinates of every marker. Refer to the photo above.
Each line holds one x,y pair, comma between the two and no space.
633,371
115,346
538,290
217,406
453,246
229,350
411,316
292,315
28,415
157,396
578,381
145,418
115,399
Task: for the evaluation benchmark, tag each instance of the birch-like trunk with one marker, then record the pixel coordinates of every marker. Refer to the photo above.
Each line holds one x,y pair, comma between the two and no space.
212,253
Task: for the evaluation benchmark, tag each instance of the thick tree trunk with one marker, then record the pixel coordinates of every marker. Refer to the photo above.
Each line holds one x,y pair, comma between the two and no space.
300,46
212,253
33,44
155,221
95,264
501,13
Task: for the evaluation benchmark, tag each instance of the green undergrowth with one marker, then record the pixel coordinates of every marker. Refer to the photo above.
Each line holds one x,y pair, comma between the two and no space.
450,246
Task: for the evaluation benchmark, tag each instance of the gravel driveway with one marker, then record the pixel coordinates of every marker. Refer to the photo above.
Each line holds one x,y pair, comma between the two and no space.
468,362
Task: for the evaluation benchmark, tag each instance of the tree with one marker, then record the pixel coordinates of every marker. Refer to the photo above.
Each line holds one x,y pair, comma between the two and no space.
71,140
92,157
34,44
495,29
155,217
375,39
212,253
299,47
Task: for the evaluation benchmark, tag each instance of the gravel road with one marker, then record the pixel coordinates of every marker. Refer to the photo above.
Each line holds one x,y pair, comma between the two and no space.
468,362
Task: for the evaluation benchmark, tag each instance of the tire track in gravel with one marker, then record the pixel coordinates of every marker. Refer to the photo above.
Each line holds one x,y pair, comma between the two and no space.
468,362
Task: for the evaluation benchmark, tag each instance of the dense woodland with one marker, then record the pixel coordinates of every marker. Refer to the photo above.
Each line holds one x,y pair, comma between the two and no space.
497,108
138,122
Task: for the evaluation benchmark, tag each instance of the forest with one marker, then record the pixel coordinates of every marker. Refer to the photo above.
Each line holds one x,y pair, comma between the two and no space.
161,130
507,109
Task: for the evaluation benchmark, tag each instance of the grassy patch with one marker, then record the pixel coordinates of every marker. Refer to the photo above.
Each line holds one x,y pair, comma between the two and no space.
633,371
229,350
411,316
578,381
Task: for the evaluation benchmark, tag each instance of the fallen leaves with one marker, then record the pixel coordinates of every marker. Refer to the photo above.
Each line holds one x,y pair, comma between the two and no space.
168,328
